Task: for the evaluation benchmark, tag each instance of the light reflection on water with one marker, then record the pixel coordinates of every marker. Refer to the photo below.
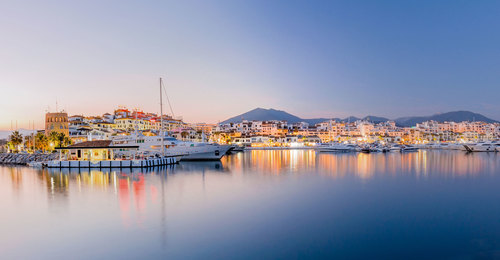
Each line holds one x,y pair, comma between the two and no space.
258,204
365,166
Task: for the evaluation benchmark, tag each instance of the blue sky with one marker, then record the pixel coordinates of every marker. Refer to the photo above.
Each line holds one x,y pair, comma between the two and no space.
223,58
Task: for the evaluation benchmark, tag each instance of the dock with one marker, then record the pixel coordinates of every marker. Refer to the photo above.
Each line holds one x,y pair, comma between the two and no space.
141,163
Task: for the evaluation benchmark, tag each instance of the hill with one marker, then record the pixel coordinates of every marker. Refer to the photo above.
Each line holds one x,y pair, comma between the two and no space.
261,114
455,116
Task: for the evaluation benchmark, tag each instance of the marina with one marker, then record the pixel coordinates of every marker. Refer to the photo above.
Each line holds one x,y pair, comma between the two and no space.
249,130
98,154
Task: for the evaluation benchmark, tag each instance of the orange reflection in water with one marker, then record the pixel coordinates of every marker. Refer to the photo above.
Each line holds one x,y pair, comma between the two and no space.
419,164
365,166
274,162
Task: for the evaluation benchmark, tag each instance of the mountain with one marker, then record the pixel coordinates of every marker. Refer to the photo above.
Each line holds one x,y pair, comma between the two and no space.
314,121
261,114
375,119
455,116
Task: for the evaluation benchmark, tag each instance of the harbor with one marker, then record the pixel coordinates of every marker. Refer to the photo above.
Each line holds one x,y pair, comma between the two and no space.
252,130
99,154
138,139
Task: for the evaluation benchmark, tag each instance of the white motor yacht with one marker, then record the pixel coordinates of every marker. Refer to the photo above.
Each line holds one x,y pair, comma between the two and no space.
493,146
173,147
409,148
338,147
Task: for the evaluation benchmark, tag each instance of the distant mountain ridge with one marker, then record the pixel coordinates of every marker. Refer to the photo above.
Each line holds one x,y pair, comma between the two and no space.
261,114
455,116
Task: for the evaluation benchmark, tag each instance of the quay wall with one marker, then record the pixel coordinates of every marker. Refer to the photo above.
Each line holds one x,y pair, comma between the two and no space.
24,159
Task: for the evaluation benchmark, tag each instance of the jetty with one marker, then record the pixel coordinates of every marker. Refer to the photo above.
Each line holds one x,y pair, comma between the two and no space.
103,154
25,159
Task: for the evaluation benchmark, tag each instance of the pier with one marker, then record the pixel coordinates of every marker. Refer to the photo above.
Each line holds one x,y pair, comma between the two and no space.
102,154
142,163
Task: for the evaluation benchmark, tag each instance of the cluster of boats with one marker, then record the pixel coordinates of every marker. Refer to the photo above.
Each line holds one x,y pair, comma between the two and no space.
134,151
374,148
490,146
486,146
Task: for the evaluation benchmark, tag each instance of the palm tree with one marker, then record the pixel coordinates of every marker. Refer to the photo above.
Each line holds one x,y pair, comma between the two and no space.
41,142
16,139
54,139
66,141
28,142
57,139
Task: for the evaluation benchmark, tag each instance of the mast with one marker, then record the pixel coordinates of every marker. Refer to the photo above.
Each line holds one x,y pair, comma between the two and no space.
330,130
161,120
33,137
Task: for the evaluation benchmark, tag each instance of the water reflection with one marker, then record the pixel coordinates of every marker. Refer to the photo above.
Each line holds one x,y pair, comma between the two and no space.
366,166
131,188
129,185
258,199
126,182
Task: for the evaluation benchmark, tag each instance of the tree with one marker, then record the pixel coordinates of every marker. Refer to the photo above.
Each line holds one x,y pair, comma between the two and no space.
28,142
15,139
66,141
41,142
57,139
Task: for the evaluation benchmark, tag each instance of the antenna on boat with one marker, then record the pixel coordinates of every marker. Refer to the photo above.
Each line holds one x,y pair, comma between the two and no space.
161,118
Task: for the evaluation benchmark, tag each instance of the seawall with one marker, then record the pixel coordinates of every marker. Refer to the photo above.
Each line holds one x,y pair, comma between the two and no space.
24,159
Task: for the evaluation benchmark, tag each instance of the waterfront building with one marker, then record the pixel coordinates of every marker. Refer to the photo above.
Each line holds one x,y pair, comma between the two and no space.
76,120
122,112
276,132
203,127
132,124
108,118
57,122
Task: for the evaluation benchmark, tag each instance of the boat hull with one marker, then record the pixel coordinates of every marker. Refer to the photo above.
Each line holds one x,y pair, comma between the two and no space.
203,153
480,148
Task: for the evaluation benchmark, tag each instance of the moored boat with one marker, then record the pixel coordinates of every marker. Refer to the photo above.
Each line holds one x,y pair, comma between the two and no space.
493,146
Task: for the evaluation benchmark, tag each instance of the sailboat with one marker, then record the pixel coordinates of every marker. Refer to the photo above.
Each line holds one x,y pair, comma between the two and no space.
165,145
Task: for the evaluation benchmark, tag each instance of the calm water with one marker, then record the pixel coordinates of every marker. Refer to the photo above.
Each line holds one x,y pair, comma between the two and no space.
259,204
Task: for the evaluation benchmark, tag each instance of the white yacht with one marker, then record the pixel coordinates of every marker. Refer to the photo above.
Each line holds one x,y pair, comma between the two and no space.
409,148
338,147
151,145
493,146
395,148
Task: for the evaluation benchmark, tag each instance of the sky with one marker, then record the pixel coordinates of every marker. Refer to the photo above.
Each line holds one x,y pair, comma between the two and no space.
219,59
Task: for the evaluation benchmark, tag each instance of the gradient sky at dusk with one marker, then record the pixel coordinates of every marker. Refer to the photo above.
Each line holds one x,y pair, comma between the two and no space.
223,58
